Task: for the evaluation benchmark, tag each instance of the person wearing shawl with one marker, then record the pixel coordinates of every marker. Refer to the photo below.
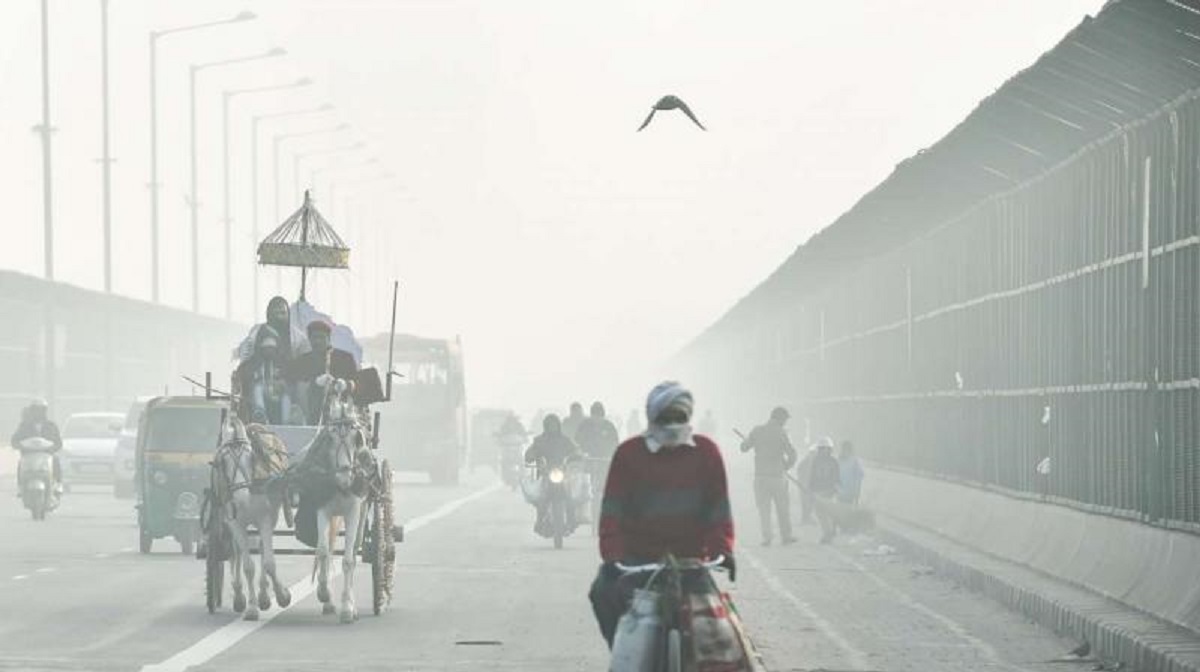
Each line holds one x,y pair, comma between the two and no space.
291,341
666,493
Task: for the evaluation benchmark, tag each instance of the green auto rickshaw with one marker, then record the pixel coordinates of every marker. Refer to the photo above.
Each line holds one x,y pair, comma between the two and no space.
176,441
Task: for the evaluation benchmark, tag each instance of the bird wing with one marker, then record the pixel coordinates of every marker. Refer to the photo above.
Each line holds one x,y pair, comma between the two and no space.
688,111
648,118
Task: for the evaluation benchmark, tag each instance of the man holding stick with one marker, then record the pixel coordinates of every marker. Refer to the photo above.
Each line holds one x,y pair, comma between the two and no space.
773,457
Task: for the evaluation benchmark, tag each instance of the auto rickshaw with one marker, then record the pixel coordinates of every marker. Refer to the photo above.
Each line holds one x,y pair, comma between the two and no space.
177,437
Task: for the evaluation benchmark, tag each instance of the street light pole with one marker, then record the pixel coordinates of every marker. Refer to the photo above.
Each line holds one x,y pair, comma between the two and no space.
45,129
154,184
105,156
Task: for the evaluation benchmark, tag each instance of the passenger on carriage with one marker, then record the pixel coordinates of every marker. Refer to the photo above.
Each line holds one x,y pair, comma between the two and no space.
267,397
291,340
312,371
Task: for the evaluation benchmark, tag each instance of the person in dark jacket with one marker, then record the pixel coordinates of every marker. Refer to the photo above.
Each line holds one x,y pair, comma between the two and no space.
824,481
573,421
550,449
312,371
666,493
597,436
36,423
773,457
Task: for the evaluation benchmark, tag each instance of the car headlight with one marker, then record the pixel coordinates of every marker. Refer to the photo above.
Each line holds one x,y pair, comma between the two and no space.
160,477
557,475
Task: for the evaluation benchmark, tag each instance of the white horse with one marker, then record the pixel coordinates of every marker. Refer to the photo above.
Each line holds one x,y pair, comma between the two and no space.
245,503
342,452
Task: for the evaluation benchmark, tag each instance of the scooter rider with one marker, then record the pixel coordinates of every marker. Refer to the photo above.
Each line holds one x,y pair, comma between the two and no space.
36,423
666,493
549,449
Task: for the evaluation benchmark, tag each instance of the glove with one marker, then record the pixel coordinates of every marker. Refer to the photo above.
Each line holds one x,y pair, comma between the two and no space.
730,566
609,571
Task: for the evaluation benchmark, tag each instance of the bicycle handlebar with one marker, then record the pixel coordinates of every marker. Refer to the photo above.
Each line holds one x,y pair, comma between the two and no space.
713,563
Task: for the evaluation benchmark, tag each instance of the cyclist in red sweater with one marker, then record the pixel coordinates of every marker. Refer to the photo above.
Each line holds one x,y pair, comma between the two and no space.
666,493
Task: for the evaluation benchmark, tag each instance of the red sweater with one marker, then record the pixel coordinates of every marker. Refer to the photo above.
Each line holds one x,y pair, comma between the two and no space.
674,501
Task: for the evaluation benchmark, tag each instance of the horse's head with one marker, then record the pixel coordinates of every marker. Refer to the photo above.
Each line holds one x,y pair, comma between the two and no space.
233,459
347,443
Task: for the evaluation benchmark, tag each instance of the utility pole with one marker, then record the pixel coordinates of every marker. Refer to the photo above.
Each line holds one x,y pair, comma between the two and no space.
45,130
105,149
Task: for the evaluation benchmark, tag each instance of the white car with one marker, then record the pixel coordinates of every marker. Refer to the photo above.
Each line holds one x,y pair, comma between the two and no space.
124,460
89,442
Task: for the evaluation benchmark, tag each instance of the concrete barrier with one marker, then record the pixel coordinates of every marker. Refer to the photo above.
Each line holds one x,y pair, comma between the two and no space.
1151,569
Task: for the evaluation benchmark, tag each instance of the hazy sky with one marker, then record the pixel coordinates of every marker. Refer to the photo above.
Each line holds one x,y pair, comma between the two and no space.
570,253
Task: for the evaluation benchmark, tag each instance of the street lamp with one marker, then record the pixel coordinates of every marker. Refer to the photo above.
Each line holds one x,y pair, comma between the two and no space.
227,216
194,197
154,185
254,125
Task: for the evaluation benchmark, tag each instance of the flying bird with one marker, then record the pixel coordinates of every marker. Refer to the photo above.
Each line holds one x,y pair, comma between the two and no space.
671,103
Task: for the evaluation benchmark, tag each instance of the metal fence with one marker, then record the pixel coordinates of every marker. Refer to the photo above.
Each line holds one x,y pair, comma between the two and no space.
1056,317
88,351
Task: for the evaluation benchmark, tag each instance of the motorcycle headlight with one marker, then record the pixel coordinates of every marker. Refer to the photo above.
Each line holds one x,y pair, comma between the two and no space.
160,477
557,475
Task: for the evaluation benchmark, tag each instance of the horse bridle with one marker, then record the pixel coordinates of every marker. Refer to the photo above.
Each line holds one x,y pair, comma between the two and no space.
352,448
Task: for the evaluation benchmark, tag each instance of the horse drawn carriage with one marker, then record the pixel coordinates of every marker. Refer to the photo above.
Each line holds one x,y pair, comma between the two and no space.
318,469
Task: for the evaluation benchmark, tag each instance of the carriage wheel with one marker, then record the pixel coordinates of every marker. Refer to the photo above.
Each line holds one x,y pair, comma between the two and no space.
383,544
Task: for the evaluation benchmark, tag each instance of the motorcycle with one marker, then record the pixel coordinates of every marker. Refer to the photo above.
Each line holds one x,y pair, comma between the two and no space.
555,493
39,491
511,454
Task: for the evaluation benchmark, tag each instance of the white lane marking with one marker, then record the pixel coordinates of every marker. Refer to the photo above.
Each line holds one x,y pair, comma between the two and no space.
102,555
950,624
44,570
20,577
233,632
127,549
855,657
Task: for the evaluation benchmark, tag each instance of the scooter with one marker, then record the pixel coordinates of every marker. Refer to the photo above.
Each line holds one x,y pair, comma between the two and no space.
39,492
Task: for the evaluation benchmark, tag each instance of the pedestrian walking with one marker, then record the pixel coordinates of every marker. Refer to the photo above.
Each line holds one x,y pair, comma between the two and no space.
773,457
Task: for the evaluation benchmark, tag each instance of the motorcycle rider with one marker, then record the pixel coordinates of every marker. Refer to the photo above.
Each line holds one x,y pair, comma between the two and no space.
571,424
666,493
509,439
550,449
36,423
597,438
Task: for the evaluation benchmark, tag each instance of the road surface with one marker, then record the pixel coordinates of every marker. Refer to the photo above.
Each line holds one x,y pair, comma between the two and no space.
476,590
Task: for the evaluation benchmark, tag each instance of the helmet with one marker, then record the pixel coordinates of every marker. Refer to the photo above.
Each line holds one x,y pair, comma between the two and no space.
551,424
597,410
780,413
576,408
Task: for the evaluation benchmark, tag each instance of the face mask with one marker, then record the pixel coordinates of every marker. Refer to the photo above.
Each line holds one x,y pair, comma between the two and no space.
672,435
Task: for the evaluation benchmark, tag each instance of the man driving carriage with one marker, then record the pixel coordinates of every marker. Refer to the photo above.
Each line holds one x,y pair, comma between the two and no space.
314,370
